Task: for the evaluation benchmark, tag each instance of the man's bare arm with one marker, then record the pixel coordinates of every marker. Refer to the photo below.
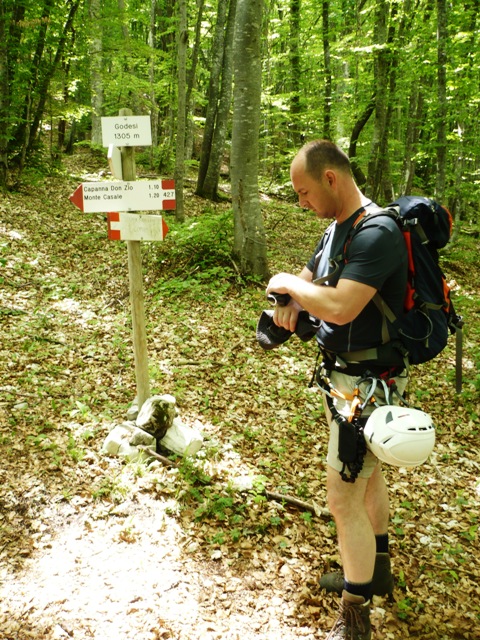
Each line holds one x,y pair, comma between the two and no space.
340,304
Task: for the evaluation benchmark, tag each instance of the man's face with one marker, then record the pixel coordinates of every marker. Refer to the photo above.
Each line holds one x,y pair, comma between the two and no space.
313,194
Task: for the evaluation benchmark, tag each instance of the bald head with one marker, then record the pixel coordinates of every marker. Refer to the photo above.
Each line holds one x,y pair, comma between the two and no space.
318,156
322,177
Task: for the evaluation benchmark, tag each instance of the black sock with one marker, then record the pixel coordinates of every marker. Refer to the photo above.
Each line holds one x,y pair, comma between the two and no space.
363,589
382,543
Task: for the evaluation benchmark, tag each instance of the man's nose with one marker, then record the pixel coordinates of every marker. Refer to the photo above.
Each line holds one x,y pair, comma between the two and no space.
303,203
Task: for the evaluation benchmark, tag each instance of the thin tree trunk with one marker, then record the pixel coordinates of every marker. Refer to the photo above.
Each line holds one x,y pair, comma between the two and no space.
327,98
378,157
96,64
358,127
210,185
414,116
213,94
441,125
181,111
191,79
4,95
43,88
151,77
295,69
249,233
24,131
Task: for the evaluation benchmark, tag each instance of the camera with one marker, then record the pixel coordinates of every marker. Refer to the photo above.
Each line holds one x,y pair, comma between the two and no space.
280,299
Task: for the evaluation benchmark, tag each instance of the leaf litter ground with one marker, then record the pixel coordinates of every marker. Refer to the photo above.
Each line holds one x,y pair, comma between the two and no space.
92,547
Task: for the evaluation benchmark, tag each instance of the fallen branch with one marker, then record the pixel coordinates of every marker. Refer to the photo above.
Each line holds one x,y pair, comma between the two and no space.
300,504
270,495
157,456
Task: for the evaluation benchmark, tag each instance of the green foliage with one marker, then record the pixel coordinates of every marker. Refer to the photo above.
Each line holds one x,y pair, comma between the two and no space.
409,607
197,254
112,488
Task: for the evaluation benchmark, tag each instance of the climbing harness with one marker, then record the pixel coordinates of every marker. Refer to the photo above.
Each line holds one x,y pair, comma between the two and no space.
352,445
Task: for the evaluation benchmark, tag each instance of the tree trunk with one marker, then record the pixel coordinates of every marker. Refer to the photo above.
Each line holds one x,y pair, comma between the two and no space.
24,130
191,80
327,98
213,94
358,127
151,77
96,64
210,185
442,98
378,164
295,70
44,85
4,95
249,233
181,110
414,117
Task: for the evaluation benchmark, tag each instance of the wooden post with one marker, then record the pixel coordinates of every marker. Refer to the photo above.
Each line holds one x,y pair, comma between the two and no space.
136,289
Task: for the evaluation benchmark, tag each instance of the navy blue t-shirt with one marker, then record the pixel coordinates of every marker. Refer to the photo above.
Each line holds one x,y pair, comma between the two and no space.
376,256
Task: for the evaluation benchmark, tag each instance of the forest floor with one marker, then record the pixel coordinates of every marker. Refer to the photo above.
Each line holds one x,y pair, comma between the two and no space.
95,547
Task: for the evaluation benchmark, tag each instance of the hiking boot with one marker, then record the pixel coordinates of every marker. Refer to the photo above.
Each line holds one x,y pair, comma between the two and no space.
353,622
382,582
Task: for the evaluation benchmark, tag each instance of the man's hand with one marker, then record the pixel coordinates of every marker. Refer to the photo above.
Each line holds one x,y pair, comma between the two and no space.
339,305
287,317
282,283
284,316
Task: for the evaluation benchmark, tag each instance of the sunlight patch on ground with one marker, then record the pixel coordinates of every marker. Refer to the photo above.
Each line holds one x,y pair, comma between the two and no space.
107,574
75,308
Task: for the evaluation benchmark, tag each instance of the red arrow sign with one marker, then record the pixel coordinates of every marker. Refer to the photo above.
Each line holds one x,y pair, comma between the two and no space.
136,226
77,197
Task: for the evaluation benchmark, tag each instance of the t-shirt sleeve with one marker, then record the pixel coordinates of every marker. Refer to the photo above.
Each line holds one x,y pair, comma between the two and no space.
311,263
373,254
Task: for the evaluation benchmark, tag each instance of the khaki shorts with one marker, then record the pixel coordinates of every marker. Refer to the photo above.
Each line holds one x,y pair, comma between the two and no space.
346,385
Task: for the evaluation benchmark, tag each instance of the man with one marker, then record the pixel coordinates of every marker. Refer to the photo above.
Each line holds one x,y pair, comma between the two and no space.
351,323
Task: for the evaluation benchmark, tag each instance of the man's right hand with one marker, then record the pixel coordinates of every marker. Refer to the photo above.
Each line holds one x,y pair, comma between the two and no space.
287,316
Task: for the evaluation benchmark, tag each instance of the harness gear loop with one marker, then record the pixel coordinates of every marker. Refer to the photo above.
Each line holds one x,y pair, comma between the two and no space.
352,444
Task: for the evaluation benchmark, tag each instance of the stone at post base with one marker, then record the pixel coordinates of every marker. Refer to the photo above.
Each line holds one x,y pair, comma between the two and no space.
182,439
119,442
157,414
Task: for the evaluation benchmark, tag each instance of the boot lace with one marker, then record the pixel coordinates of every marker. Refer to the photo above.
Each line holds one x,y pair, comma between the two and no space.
350,622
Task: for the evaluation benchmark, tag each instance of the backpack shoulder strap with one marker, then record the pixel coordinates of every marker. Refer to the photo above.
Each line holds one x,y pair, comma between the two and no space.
391,212
385,311
361,218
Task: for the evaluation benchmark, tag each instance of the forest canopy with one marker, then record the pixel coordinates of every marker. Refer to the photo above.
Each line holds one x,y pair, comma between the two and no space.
394,82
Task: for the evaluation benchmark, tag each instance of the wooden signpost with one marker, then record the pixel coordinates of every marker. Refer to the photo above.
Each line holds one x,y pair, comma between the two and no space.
121,134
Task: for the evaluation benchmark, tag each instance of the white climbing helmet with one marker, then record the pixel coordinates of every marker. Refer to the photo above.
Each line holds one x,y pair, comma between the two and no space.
400,436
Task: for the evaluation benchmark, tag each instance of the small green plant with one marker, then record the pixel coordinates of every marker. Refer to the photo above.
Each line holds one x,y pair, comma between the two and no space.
219,538
408,607
404,608
235,535
470,534
111,488
401,582
128,533
75,452
306,516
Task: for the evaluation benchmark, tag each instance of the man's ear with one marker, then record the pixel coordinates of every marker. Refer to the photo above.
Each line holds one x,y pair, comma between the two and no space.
330,177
